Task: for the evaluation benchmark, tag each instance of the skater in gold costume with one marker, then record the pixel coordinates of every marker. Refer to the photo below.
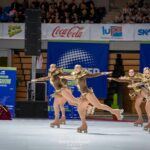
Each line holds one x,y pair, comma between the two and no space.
87,95
61,95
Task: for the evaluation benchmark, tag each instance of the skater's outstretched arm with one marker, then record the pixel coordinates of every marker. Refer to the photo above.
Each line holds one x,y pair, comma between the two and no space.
67,77
40,79
125,79
121,80
139,84
97,74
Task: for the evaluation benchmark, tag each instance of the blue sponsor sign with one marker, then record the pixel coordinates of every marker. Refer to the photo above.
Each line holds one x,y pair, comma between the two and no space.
144,56
92,56
8,88
144,32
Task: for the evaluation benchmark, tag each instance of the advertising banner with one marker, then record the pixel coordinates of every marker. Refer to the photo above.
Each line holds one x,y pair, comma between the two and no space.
142,32
13,30
66,31
112,32
93,32
8,88
92,56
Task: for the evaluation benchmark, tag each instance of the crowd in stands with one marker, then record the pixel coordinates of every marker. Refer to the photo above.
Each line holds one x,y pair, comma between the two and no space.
54,11
135,11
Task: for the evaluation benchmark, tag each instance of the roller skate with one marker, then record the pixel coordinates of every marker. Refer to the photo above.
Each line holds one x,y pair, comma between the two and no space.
55,123
147,127
118,114
63,120
90,110
82,128
138,122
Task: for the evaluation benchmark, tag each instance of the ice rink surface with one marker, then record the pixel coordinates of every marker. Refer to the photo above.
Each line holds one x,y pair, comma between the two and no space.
32,134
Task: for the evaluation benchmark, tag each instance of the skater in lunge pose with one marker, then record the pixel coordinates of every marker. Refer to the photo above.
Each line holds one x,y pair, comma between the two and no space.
62,93
87,95
59,102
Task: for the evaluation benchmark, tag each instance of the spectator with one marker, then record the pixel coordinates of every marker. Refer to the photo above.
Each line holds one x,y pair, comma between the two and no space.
83,10
43,13
25,4
91,12
14,5
36,4
0,10
44,4
72,7
59,11
74,18
135,11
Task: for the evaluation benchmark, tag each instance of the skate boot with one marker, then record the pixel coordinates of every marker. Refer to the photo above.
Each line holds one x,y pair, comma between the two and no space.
147,127
63,120
82,128
138,122
90,110
118,114
55,123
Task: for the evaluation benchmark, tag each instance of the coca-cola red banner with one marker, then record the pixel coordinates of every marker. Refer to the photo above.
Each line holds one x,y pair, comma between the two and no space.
66,31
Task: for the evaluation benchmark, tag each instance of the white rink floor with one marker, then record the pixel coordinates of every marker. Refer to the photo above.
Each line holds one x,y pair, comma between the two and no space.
30,134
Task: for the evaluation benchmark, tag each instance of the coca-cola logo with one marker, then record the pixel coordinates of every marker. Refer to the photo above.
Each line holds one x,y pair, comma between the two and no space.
73,32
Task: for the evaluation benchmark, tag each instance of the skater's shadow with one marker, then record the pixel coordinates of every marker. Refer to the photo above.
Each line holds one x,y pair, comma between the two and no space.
107,134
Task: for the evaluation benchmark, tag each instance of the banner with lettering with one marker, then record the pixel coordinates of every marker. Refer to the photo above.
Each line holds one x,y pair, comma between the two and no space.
97,32
92,56
8,88
142,32
112,32
66,31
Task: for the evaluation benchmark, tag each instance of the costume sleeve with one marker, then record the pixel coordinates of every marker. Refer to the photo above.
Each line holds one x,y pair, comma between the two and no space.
67,76
88,75
121,80
42,79
137,79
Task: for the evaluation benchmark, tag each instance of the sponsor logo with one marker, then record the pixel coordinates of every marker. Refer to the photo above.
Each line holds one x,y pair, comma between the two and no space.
93,70
78,56
144,32
73,32
5,81
2,72
112,32
13,30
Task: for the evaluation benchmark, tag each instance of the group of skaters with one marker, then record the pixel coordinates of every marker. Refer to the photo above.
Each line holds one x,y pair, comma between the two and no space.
87,102
139,90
